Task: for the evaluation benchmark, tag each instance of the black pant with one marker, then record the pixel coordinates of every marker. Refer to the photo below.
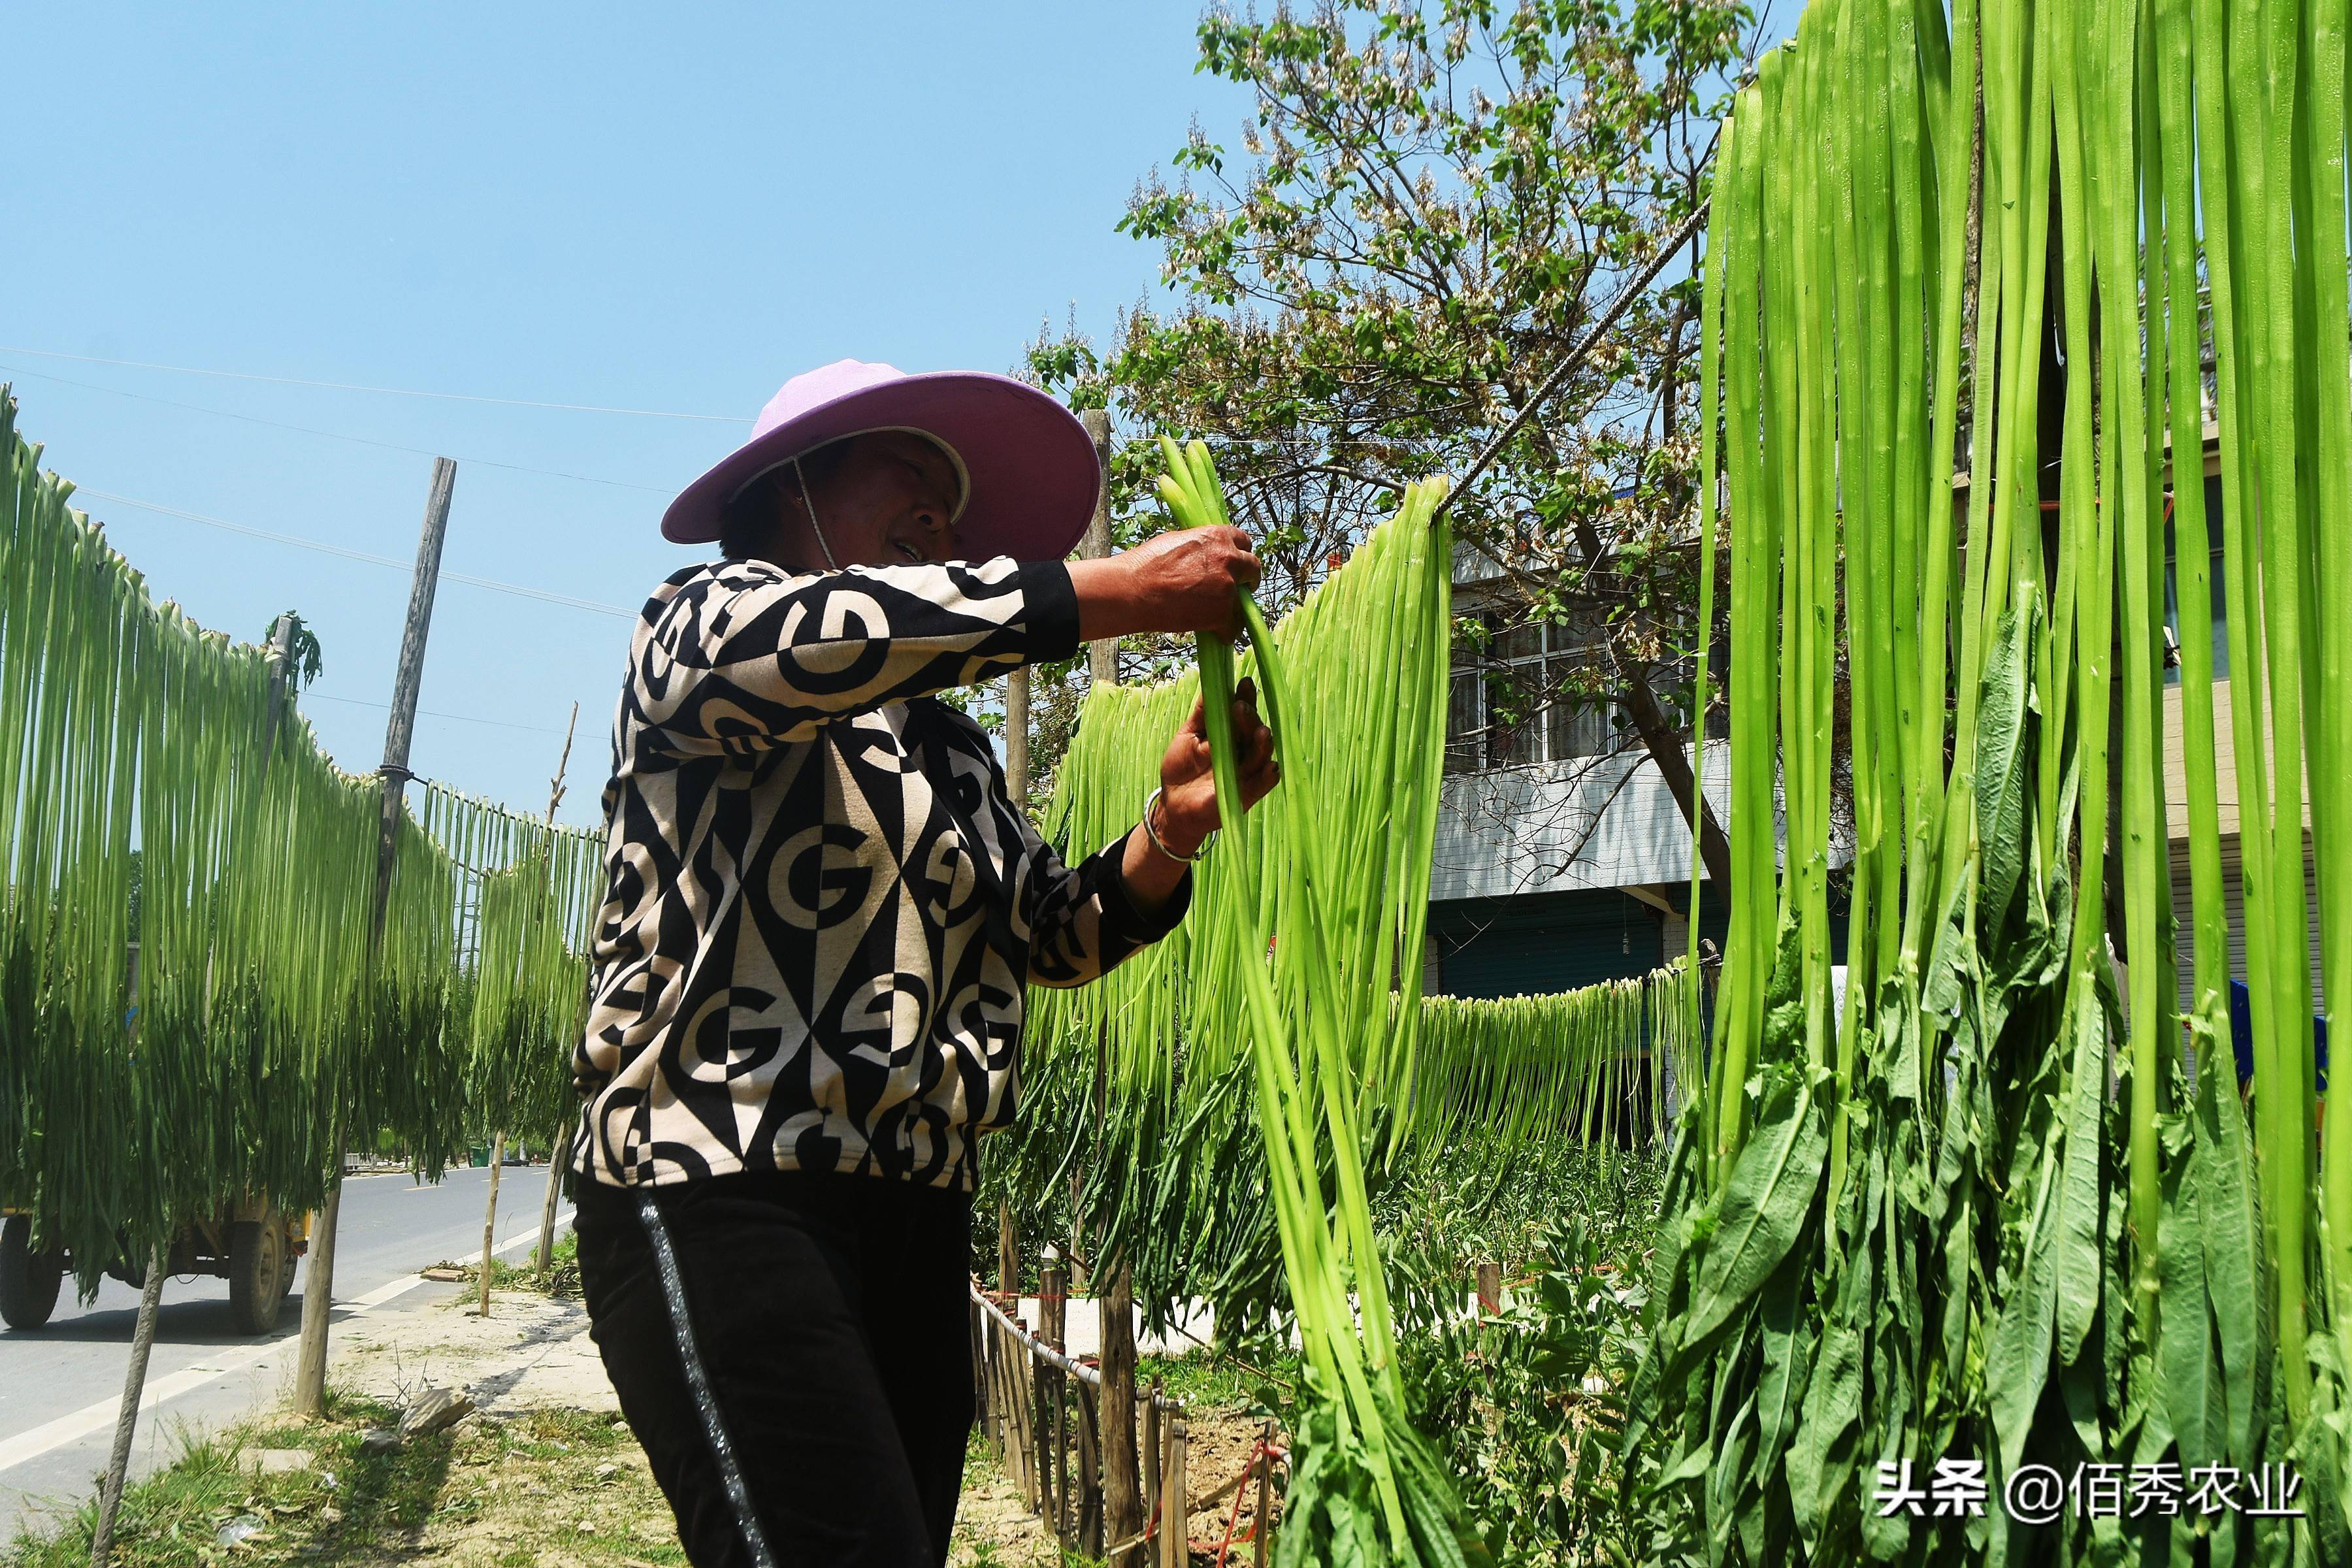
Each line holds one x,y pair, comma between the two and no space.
799,1369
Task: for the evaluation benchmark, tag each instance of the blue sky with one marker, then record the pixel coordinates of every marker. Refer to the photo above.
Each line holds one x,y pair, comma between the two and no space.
664,208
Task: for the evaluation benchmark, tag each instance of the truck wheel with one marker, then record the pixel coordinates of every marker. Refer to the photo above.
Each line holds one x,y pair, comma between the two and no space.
28,1280
258,1274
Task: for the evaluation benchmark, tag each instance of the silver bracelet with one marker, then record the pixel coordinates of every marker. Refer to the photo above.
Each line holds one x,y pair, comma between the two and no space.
1153,833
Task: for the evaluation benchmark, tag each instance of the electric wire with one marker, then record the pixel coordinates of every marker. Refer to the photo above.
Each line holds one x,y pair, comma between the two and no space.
334,434
385,391
542,595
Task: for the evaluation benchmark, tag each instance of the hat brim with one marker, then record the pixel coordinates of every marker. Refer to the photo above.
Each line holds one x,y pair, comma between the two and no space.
1033,469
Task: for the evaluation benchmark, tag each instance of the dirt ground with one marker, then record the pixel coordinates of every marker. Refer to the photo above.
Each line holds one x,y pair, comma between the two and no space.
994,1528
532,1352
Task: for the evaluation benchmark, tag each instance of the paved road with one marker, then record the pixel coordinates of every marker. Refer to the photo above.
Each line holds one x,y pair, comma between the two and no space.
61,1384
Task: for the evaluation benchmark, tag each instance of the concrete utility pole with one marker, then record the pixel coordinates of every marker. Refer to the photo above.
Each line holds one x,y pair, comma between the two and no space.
558,1151
317,1290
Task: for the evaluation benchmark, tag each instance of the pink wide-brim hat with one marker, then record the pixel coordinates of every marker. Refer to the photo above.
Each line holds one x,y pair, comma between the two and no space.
1029,469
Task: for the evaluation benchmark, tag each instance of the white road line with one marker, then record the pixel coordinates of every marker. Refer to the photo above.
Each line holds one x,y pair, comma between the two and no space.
94,1418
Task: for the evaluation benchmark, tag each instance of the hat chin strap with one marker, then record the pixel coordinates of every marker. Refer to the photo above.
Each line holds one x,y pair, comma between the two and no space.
809,508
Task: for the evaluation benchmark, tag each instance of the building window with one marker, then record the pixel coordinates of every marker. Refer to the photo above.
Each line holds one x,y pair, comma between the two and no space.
1465,728
1506,709
2218,615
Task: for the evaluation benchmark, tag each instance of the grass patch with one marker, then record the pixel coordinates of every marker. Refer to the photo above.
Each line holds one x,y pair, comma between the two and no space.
1258,1381
561,1281
566,1485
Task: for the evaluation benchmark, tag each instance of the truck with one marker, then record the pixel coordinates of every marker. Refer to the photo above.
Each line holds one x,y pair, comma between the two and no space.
249,1243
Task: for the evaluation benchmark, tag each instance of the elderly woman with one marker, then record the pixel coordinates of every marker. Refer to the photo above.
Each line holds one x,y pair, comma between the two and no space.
823,909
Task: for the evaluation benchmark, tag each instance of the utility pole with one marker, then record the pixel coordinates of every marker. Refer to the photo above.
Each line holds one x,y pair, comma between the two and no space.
317,1290
558,1151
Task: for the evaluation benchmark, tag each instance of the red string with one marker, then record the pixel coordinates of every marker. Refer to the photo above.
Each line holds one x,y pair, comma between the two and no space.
1257,1521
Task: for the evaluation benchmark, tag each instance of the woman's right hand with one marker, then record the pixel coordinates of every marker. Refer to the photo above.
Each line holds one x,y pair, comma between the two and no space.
1189,580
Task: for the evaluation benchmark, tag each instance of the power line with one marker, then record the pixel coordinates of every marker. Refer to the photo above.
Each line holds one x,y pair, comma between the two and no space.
542,595
429,713
386,391
329,435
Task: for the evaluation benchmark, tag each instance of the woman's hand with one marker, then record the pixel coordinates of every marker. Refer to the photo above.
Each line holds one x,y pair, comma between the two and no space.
1187,811
1188,788
1191,579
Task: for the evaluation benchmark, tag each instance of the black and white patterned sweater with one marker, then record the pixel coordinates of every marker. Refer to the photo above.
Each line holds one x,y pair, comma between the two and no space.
821,902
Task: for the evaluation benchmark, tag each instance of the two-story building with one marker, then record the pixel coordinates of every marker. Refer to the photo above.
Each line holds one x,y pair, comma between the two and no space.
1561,857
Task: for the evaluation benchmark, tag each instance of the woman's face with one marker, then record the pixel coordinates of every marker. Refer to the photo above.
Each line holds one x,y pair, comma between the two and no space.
886,504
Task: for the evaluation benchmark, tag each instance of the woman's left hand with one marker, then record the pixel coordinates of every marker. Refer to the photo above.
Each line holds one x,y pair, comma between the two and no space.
1188,789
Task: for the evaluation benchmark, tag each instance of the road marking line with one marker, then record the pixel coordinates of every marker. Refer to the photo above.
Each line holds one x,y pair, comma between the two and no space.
96,1416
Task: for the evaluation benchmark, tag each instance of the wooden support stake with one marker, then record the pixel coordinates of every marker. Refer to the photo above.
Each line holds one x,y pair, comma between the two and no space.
318,1287
995,1363
1064,1524
1090,1492
490,1223
1025,1376
1053,1300
1175,1512
1490,1289
1008,1259
1040,1430
1124,1511
134,1389
979,1365
1265,1522
1155,1463
1053,1322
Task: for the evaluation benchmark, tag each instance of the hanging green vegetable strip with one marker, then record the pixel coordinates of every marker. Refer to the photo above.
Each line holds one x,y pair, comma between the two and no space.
1498,1077
1140,1085
1365,1487
192,1009
1942,1239
530,897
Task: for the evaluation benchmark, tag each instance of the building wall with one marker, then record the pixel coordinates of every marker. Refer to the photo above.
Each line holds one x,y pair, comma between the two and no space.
1584,823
